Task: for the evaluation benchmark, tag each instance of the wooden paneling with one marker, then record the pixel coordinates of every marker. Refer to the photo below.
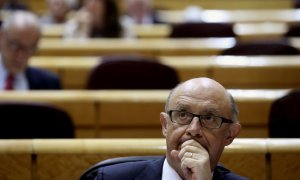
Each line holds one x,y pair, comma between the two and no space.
150,47
285,158
60,159
40,7
231,71
246,31
243,164
129,113
262,71
15,158
235,16
224,4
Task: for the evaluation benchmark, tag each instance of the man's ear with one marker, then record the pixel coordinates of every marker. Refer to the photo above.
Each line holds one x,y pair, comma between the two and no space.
234,131
164,122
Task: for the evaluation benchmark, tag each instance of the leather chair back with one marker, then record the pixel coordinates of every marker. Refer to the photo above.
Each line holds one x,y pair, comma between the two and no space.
21,120
132,72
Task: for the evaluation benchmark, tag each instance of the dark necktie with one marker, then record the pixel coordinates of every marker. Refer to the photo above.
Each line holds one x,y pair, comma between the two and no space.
9,82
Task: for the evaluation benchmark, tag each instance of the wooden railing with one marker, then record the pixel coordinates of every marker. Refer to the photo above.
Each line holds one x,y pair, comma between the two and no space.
135,114
231,71
259,159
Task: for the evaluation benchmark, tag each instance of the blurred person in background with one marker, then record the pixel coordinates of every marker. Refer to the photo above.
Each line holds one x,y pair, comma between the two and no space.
58,11
140,12
95,18
19,37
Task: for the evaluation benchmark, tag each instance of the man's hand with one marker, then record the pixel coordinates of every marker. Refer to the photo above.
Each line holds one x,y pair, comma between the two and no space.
195,163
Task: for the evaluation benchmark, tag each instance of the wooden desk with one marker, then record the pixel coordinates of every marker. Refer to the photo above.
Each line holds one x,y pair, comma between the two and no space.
245,31
152,47
259,31
231,71
235,16
148,47
257,72
15,158
285,157
53,30
40,7
68,158
224,4
94,112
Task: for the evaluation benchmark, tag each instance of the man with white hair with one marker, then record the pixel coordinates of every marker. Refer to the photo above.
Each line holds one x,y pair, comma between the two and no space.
19,37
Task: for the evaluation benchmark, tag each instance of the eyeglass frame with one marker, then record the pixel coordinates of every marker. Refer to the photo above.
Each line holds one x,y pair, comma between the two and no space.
223,120
16,46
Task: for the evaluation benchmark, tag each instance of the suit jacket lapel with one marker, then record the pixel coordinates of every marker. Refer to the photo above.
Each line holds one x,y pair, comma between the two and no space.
153,171
30,78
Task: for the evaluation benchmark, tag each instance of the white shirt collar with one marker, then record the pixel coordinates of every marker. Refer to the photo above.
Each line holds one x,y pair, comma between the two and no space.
169,173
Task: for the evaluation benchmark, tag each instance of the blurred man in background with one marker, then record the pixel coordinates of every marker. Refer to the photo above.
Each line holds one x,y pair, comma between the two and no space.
20,34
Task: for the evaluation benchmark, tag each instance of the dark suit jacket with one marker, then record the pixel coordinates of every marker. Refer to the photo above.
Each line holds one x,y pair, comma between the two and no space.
151,170
39,79
13,6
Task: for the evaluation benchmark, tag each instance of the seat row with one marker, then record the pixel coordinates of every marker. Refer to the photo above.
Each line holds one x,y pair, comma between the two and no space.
135,113
259,159
242,31
40,6
232,72
151,47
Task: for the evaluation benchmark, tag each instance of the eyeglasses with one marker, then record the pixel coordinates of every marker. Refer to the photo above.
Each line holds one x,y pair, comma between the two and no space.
15,46
206,121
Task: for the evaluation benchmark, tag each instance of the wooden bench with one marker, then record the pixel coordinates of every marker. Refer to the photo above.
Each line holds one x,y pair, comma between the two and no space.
244,31
40,7
259,159
231,71
16,159
151,47
148,47
117,114
288,15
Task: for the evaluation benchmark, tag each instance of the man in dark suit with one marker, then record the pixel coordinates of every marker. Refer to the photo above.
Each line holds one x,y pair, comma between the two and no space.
20,34
200,119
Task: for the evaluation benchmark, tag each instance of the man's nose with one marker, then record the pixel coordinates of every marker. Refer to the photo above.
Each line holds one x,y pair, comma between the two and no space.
195,128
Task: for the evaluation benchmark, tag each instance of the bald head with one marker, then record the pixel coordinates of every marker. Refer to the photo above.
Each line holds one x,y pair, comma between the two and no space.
21,20
204,88
20,35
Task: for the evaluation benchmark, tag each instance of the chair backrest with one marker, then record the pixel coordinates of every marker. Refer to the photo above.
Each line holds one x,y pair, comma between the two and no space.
284,118
294,30
261,48
296,3
202,30
131,72
91,172
34,120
